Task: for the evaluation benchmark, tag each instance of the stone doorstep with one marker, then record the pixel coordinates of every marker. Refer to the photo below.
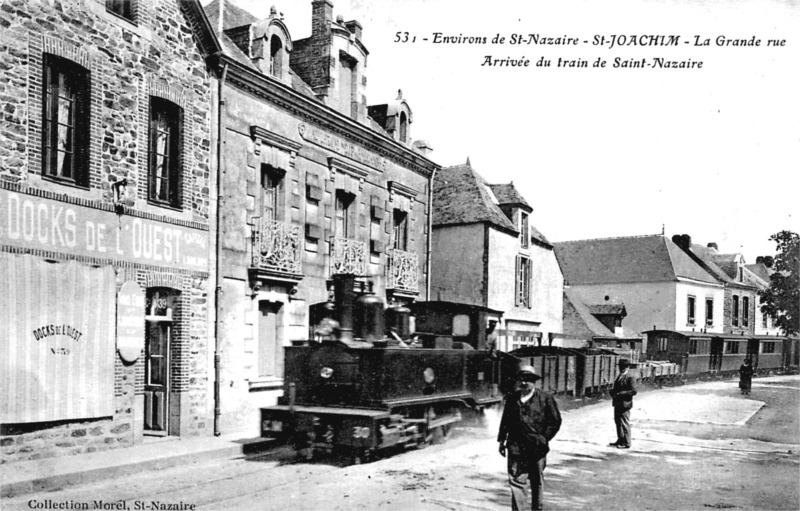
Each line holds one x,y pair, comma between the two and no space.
21,478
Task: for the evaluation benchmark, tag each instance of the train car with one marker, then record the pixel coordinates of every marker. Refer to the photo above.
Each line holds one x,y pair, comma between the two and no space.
698,354
596,371
556,366
791,353
372,386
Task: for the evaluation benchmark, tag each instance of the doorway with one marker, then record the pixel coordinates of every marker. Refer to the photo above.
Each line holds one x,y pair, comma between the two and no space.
158,336
270,340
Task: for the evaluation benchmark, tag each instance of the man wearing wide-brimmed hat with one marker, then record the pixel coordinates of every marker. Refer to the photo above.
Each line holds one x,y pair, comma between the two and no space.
530,420
622,399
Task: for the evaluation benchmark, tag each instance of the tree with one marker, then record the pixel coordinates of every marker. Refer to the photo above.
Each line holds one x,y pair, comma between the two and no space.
781,301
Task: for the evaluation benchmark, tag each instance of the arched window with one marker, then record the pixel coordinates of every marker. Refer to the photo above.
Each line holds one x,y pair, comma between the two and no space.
403,127
276,56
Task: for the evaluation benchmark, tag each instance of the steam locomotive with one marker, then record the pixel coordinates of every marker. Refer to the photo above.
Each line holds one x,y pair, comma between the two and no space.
368,386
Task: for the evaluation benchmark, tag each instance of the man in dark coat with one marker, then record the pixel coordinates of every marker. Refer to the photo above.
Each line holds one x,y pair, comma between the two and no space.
622,400
746,376
530,420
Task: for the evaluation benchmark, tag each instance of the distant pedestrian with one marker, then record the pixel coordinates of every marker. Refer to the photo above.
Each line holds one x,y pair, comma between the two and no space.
530,420
746,377
622,399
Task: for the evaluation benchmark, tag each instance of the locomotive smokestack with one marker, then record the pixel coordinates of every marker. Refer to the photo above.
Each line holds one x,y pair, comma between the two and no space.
368,317
345,298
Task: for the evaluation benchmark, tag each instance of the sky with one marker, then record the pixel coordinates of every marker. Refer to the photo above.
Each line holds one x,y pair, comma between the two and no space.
602,152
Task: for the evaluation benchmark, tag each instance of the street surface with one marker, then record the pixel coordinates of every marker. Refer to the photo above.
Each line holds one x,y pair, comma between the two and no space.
699,446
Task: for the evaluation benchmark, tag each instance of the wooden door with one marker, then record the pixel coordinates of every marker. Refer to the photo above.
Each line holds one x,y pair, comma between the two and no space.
270,343
156,377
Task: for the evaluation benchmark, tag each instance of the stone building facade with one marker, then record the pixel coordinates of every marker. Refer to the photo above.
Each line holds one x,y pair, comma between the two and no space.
503,261
105,198
741,321
312,185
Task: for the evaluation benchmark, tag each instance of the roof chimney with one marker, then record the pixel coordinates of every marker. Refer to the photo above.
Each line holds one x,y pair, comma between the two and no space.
713,245
355,28
422,147
684,241
321,17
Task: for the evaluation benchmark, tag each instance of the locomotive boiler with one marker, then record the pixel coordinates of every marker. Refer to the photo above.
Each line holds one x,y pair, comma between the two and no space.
370,386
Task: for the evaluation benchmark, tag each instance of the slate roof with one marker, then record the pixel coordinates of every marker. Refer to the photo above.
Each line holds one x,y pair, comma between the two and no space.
508,194
461,196
760,270
234,17
538,236
579,321
726,267
708,256
758,275
652,258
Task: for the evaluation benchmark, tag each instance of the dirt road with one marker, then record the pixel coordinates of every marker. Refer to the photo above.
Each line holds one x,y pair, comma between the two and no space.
700,446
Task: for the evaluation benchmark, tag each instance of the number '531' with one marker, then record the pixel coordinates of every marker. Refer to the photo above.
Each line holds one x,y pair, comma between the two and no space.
404,37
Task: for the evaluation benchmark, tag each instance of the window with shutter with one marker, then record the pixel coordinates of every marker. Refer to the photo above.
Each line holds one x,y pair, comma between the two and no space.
517,282
523,282
524,230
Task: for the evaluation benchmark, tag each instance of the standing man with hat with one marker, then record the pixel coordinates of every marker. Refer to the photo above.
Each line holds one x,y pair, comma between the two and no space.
622,399
530,420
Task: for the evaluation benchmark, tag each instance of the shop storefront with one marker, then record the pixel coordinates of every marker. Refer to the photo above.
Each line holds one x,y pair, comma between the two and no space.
105,325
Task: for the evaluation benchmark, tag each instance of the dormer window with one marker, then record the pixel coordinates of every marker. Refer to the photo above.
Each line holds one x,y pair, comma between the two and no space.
348,83
276,56
524,230
403,127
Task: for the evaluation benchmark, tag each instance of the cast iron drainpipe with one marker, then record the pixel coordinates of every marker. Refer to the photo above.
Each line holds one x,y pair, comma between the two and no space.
430,235
217,277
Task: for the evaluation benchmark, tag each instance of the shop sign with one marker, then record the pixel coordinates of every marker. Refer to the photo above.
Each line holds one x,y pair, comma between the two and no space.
130,321
341,146
57,345
46,224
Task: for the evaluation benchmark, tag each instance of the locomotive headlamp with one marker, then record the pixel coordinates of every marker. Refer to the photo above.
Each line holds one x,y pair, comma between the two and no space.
428,375
326,372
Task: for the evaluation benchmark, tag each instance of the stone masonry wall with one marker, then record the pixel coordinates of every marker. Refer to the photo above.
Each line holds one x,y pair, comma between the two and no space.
154,55
127,62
